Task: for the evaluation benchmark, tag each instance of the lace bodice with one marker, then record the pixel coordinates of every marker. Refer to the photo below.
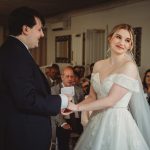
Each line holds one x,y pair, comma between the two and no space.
102,88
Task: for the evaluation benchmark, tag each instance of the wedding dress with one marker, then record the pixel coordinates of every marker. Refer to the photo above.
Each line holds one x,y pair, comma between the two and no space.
113,128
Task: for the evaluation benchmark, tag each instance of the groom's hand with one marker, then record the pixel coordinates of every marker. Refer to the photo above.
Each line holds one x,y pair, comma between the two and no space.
66,111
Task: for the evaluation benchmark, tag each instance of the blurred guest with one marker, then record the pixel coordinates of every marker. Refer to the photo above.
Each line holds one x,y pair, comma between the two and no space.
91,70
82,71
85,84
77,78
146,84
58,76
76,69
71,123
50,73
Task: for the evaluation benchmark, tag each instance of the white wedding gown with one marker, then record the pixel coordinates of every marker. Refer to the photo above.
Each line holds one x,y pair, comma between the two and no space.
114,128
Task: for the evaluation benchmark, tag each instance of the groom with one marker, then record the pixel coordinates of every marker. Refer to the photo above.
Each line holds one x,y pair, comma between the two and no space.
26,103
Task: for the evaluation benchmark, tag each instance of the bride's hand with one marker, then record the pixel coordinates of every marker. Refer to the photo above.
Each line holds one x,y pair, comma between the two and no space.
72,106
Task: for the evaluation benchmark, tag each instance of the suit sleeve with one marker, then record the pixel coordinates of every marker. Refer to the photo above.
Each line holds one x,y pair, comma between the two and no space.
28,89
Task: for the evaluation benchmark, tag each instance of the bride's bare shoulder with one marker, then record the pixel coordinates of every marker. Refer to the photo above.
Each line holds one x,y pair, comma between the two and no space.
129,68
99,64
129,65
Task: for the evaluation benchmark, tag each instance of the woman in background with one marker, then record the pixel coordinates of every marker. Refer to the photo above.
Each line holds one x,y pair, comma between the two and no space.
146,84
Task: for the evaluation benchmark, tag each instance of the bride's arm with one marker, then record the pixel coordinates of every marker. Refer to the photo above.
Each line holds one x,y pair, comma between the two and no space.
89,104
115,94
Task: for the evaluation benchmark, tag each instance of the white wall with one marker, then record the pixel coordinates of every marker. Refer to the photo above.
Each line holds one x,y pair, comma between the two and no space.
137,14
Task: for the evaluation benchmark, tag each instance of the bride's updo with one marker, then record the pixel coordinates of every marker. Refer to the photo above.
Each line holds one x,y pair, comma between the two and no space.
125,27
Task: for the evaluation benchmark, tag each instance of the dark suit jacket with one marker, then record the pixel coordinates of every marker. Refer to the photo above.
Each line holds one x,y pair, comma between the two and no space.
25,100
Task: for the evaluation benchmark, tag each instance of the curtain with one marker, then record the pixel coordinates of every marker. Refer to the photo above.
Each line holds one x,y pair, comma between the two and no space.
94,45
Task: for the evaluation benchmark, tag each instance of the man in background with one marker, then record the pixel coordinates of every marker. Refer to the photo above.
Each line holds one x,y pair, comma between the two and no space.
51,74
65,125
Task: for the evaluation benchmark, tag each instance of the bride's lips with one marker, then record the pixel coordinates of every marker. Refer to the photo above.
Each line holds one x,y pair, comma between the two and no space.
120,47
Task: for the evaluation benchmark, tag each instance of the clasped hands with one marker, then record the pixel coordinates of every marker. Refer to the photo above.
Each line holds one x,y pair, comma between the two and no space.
70,108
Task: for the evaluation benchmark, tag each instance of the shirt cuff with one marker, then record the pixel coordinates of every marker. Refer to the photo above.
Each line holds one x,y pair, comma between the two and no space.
64,101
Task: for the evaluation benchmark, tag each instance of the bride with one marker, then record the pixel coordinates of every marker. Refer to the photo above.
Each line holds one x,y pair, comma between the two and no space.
120,118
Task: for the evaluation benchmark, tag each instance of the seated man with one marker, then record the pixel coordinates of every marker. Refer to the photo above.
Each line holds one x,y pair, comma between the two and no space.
85,84
50,73
71,123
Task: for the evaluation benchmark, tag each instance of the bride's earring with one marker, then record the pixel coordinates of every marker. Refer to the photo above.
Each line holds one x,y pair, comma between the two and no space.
108,53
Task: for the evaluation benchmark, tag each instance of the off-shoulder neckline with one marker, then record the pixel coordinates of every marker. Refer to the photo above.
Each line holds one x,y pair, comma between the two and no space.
110,75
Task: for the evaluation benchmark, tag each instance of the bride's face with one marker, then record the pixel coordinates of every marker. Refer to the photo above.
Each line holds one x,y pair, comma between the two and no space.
120,42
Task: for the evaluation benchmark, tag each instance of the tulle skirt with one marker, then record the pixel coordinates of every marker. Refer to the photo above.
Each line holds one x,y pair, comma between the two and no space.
113,129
